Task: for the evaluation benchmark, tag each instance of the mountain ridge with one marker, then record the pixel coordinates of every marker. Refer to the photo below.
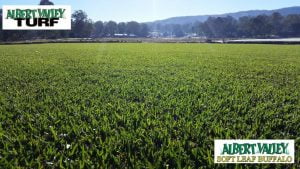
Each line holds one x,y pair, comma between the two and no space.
201,18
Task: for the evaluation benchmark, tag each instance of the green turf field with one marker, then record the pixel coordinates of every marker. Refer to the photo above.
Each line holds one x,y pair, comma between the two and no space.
143,105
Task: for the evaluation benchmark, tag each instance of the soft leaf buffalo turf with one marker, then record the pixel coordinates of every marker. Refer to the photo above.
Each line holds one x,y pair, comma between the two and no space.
143,105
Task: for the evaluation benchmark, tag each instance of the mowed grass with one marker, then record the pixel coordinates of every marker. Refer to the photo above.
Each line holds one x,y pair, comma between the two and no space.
143,105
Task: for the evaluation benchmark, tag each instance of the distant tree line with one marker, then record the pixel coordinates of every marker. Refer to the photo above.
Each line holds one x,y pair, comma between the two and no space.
261,26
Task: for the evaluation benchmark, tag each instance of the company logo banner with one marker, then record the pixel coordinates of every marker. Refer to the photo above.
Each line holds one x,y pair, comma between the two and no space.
36,17
254,151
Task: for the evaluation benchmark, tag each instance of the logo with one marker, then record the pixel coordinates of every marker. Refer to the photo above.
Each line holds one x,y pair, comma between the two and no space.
37,17
254,151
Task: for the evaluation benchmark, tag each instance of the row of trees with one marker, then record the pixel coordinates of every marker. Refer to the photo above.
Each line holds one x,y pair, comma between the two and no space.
261,26
83,27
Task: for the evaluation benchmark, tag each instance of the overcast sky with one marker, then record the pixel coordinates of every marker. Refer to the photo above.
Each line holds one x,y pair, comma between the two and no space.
150,10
